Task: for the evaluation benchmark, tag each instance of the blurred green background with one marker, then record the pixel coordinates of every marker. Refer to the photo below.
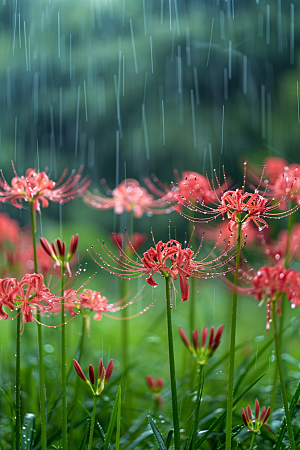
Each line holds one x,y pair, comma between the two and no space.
128,89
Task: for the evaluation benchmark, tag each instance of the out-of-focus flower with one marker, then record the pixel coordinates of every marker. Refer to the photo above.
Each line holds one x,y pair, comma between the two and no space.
213,233
155,387
29,296
129,196
270,284
102,378
202,353
57,251
89,300
192,186
240,206
276,249
10,231
256,424
169,258
129,246
36,187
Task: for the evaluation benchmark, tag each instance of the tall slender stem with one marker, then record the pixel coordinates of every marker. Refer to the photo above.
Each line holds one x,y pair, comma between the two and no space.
232,342
93,424
198,400
172,370
18,384
63,367
252,441
281,378
40,344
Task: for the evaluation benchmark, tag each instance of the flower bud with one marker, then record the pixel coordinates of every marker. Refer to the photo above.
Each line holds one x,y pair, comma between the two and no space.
92,374
79,371
184,338
109,370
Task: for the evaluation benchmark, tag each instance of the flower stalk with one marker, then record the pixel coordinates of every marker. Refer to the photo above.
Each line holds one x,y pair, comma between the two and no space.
63,367
232,342
40,342
281,378
198,401
172,369
93,423
18,383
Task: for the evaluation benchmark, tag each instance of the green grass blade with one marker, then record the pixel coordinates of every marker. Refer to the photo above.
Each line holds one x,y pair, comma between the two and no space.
169,438
28,431
139,439
118,423
83,441
112,419
223,416
235,432
282,429
157,434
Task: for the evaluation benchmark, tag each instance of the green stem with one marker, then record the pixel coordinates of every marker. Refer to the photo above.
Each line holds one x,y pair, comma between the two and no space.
192,305
198,400
252,441
40,344
18,384
172,369
124,331
281,378
232,342
282,308
93,424
63,367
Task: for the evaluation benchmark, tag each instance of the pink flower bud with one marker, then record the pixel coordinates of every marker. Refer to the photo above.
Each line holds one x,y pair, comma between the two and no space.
244,417
184,338
61,248
248,409
92,374
79,370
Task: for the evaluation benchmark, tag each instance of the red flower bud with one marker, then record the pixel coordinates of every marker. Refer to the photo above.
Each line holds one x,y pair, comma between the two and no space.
204,335
109,370
195,337
92,374
256,409
150,381
100,369
79,370
184,338
159,382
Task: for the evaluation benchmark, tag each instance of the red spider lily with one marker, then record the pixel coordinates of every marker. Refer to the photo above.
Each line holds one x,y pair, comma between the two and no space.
192,186
29,295
57,251
239,206
90,300
201,353
103,376
129,196
36,187
270,284
170,259
256,424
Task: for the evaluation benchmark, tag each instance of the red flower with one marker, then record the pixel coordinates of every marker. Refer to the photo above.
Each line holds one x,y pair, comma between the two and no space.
29,295
270,284
192,186
239,206
169,258
36,187
57,251
129,196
